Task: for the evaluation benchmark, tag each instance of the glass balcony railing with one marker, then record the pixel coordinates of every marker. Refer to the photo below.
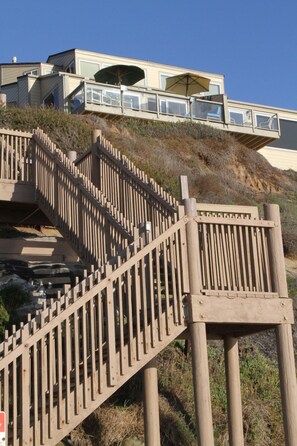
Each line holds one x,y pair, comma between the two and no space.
247,117
162,103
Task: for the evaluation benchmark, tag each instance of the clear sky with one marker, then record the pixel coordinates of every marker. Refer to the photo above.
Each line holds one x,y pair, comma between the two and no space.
252,43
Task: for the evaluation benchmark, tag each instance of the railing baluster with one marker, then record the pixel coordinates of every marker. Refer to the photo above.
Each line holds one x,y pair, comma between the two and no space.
25,387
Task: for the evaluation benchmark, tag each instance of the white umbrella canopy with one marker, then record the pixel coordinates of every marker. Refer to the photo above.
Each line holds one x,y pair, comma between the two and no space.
187,84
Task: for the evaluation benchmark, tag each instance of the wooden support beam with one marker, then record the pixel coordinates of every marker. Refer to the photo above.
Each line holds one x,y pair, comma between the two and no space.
198,337
151,404
95,168
239,310
183,187
287,371
235,421
286,361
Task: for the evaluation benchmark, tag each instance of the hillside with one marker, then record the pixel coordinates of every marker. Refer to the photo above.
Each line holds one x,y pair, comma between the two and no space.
220,170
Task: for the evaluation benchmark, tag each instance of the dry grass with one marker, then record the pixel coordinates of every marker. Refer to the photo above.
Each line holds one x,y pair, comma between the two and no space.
219,169
109,426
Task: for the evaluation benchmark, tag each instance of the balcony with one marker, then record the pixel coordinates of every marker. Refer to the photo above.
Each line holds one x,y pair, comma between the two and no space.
252,127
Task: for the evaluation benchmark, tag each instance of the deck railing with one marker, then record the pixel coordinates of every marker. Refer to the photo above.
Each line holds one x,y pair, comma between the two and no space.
94,227
69,358
154,102
15,155
159,104
128,188
76,351
234,255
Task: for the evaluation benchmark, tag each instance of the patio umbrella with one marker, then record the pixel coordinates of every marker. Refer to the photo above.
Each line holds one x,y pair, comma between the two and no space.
187,84
119,75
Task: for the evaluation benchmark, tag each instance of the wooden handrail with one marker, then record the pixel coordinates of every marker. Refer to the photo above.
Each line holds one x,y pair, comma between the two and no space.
78,350
94,227
79,347
130,190
15,156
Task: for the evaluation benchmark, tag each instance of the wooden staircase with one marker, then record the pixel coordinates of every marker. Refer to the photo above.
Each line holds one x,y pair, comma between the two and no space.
207,270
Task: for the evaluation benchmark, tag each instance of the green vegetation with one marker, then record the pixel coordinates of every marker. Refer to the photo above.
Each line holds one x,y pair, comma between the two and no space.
220,170
121,416
68,132
11,298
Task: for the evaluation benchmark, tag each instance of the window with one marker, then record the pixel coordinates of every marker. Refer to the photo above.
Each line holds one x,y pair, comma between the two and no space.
88,69
47,71
213,90
52,100
32,72
288,135
163,78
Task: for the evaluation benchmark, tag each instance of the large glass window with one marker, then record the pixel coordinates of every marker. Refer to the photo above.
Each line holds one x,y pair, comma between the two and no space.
288,139
213,90
88,69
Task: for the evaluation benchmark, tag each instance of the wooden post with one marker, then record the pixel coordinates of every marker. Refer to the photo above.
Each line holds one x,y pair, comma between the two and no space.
235,422
25,388
72,155
95,168
150,374
151,404
198,337
286,361
3,100
183,187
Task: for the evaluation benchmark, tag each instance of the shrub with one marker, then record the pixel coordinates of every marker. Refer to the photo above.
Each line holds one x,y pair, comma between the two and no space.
11,298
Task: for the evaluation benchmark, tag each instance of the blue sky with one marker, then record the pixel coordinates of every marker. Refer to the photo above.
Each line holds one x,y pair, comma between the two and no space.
253,43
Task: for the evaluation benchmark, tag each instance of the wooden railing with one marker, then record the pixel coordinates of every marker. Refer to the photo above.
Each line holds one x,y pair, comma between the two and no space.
62,364
128,188
67,360
15,155
93,226
234,255
76,352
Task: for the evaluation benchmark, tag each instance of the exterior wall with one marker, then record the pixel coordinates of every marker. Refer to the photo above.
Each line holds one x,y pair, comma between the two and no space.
62,59
280,158
281,153
47,68
10,72
71,83
34,91
23,91
48,83
11,92
152,69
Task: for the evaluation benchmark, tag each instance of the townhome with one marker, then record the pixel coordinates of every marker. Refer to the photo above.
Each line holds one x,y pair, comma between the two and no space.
66,81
